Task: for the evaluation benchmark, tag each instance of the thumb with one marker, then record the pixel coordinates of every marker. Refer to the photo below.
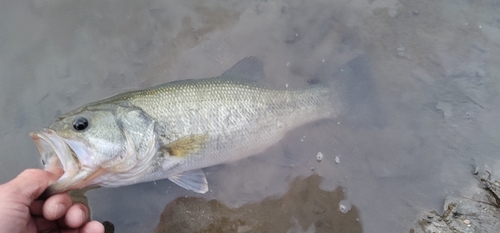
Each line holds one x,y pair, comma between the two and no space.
31,183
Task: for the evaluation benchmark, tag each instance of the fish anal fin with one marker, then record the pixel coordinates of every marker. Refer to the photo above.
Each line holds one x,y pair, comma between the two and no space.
194,180
186,145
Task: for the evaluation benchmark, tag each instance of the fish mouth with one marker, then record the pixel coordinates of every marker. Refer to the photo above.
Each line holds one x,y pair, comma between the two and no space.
58,152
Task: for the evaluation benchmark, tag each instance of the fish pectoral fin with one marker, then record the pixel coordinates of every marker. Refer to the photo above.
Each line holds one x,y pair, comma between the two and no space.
185,145
194,180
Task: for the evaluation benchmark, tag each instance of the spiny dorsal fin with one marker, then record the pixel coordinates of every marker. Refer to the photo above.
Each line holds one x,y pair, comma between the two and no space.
192,180
185,145
249,68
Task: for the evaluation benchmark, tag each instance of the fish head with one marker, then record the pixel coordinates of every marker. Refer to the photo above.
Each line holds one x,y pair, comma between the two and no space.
91,145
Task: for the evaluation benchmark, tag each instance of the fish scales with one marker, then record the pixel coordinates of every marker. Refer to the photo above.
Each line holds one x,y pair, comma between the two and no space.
240,120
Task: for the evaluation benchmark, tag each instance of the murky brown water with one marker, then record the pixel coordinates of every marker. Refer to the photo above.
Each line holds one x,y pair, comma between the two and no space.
420,82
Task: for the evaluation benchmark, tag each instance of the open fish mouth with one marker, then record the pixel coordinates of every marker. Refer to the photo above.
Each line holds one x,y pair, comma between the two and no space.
62,153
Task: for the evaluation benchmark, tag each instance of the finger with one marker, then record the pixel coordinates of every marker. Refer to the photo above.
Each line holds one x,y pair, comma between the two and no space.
30,184
43,225
92,227
36,207
56,206
76,216
31,226
57,171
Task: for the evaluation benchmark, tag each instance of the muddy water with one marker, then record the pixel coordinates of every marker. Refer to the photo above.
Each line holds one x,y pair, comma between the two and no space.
419,81
309,208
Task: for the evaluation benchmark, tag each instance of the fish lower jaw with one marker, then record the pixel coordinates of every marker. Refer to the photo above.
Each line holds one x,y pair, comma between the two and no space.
75,180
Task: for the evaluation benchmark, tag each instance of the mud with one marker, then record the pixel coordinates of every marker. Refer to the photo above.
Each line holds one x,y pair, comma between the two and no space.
304,208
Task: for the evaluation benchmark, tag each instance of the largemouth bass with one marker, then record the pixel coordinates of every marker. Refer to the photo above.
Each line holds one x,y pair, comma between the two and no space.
175,129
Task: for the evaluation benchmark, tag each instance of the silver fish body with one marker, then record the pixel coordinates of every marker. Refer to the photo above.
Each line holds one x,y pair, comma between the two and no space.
175,129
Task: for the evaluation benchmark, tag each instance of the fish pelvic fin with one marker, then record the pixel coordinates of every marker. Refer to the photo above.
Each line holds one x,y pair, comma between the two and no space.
194,180
186,145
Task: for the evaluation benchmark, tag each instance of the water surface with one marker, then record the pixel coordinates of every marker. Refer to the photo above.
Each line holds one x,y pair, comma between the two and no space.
419,79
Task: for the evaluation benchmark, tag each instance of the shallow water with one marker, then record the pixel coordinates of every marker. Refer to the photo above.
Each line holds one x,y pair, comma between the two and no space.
308,207
419,79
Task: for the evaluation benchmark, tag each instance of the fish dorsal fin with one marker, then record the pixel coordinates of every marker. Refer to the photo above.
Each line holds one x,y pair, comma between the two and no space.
192,180
186,145
249,68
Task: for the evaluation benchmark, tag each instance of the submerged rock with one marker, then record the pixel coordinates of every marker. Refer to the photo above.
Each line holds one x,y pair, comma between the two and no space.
303,208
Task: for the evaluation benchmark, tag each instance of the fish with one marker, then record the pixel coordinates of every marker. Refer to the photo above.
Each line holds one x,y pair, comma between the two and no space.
174,130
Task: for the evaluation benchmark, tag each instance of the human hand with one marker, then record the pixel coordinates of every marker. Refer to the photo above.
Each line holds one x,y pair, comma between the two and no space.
21,212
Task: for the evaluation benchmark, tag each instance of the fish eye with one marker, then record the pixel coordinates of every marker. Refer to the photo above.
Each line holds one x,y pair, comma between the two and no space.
80,123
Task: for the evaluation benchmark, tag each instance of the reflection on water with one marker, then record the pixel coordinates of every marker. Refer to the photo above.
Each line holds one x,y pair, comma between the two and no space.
304,208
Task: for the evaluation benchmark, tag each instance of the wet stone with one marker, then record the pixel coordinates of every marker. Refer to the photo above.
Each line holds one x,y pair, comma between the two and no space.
467,215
